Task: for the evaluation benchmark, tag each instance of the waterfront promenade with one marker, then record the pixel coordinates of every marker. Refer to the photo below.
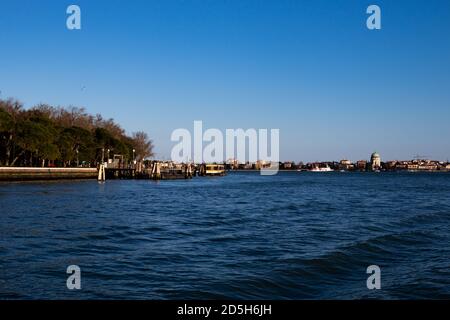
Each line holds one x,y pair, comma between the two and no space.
24,173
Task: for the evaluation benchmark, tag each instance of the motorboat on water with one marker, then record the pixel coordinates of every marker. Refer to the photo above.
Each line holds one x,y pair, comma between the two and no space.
321,169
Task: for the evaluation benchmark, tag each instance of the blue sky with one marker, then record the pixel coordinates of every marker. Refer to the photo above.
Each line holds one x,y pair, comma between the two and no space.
309,68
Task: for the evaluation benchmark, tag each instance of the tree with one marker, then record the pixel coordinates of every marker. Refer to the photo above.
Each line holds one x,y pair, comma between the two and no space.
143,145
48,151
30,136
6,125
76,142
11,113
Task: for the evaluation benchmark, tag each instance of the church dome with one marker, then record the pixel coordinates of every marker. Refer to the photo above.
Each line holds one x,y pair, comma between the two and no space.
376,155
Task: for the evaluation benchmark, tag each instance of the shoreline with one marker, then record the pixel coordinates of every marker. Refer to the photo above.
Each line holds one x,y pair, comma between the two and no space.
28,174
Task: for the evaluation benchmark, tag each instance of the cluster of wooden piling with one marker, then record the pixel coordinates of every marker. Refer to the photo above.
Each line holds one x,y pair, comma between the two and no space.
155,171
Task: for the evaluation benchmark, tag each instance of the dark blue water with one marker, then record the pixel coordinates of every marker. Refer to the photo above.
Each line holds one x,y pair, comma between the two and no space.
244,236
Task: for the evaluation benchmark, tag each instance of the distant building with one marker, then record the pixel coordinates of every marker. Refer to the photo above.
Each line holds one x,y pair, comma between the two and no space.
413,166
288,165
428,165
375,161
361,165
391,165
420,165
401,165
346,165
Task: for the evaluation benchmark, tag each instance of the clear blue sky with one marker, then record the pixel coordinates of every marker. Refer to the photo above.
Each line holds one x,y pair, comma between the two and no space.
310,68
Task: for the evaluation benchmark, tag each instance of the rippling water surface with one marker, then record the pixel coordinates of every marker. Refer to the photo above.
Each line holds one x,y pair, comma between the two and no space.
243,236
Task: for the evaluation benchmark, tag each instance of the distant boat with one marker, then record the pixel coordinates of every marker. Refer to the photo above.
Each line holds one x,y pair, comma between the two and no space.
213,170
321,169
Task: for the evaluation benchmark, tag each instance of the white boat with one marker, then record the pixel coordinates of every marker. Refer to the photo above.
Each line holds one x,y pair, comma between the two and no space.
321,169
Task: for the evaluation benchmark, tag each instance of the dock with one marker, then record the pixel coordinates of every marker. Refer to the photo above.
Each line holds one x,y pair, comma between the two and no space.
157,170
154,171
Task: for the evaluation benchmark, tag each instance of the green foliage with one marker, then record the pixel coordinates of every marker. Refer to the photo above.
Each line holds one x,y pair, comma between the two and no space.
6,121
63,136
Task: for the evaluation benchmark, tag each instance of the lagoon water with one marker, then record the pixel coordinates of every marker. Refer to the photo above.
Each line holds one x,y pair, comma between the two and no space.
244,236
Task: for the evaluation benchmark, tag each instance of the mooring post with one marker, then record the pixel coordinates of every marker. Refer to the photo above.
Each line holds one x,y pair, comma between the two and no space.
101,173
188,171
158,171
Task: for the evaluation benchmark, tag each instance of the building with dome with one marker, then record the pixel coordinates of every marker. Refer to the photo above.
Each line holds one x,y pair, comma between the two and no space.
375,161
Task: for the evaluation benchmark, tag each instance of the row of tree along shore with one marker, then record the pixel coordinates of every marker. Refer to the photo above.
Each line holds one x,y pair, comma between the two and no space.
48,136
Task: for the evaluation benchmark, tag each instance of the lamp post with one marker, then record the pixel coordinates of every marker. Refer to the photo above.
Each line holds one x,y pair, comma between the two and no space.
78,162
134,159
103,155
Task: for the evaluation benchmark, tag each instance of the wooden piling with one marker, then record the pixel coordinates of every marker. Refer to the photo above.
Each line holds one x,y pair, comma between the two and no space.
101,173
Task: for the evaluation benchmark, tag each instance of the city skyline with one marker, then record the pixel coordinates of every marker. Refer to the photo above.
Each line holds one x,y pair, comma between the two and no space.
335,89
